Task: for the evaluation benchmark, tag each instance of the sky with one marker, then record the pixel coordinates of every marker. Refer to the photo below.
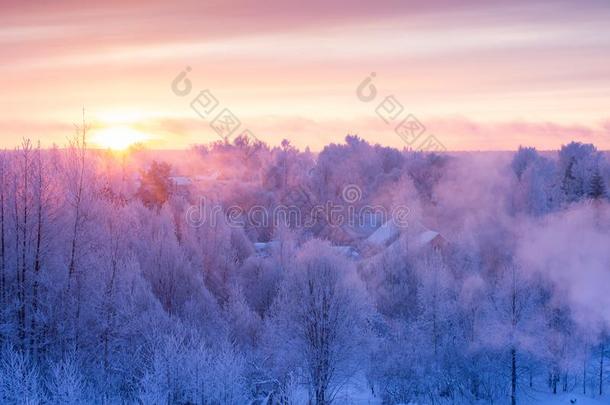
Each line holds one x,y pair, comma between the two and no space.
478,75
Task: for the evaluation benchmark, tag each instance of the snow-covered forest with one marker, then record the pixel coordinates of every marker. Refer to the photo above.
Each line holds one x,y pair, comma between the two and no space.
386,276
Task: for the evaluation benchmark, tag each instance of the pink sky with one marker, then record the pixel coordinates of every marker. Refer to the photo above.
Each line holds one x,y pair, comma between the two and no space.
482,75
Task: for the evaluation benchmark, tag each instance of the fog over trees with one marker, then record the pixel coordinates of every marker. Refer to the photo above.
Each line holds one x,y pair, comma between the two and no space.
240,273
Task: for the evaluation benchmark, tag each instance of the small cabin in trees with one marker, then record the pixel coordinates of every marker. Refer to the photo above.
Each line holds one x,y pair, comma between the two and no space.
430,238
265,249
385,235
180,185
415,237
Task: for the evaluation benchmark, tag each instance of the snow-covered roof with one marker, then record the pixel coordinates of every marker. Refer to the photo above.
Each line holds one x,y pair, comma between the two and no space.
264,248
180,180
385,234
261,245
347,251
417,234
425,237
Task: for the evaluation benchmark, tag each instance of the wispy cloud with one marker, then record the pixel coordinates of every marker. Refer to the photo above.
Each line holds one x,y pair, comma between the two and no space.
489,61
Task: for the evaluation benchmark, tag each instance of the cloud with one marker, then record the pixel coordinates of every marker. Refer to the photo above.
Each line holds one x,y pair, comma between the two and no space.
290,70
455,133
461,133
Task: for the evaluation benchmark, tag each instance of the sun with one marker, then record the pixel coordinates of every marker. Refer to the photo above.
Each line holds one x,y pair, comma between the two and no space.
118,137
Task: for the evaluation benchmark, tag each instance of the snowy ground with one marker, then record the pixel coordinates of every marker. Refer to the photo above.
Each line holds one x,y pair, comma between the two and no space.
560,399
358,393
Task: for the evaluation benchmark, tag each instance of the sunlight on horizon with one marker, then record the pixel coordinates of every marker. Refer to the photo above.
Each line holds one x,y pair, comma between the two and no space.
118,137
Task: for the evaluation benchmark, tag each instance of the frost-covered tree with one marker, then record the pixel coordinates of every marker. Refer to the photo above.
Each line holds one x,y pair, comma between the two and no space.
597,188
155,184
66,384
114,289
578,164
536,190
318,322
20,380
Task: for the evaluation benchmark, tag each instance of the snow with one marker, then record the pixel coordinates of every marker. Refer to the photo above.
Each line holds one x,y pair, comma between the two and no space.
347,251
206,177
263,249
564,398
426,237
184,311
385,234
180,181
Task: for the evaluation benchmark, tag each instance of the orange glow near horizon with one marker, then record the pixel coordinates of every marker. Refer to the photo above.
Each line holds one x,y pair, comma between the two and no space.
482,75
118,138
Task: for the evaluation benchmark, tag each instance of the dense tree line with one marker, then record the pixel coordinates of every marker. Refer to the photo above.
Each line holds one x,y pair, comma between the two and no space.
109,293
